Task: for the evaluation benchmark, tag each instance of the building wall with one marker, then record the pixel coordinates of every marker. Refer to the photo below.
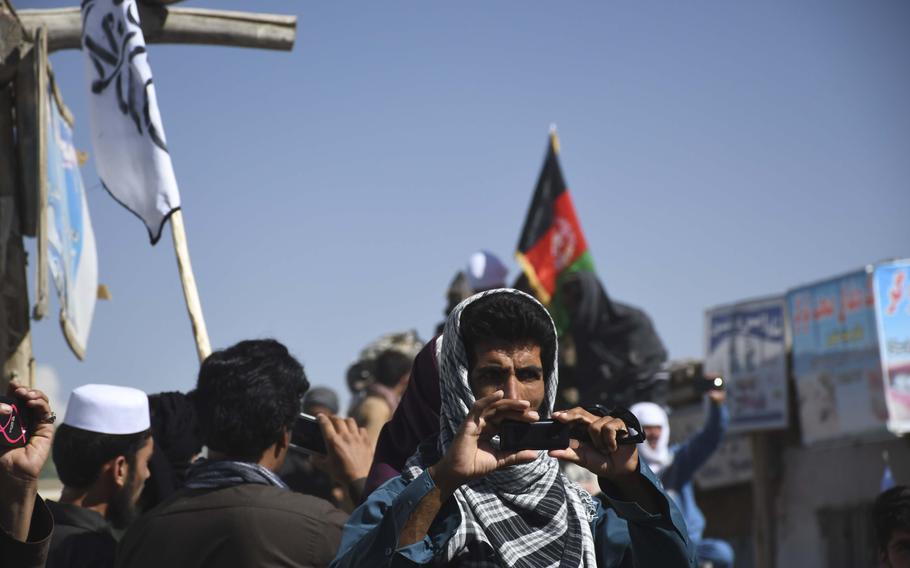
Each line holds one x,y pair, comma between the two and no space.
728,512
824,477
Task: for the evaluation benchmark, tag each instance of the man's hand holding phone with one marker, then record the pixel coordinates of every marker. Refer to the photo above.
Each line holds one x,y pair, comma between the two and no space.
21,463
603,453
471,454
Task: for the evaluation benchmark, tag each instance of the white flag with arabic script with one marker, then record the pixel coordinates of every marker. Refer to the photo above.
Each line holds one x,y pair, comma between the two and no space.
127,134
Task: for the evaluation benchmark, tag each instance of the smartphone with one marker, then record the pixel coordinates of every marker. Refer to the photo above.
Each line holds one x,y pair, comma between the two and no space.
540,435
307,435
17,428
704,384
552,435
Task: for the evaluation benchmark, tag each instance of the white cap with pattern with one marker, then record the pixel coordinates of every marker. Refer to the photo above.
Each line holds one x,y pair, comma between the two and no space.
108,409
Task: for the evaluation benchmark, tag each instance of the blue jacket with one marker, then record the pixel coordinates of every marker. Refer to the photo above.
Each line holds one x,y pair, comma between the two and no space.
688,457
370,537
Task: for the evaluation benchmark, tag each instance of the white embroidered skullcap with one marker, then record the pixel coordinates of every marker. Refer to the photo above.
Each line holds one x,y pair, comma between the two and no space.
108,409
485,271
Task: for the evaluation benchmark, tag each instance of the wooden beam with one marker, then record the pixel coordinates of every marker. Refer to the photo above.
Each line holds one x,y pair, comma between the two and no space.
161,24
15,339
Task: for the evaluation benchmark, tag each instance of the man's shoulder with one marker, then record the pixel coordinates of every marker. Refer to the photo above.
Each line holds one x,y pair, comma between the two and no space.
246,496
298,526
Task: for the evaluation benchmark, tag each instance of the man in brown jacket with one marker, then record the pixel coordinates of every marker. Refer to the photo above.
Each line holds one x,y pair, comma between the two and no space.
234,510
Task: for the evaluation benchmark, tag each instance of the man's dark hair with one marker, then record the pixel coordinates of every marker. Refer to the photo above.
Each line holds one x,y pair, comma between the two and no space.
390,366
891,512
510,318
247,395
80,454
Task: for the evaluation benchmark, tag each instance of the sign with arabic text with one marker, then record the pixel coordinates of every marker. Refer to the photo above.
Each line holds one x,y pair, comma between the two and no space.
746,344
836,362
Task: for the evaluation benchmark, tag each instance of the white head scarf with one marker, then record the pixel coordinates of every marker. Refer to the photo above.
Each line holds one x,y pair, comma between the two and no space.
526,515
650,414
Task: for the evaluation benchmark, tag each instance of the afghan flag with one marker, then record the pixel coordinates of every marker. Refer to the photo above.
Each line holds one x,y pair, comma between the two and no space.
551,245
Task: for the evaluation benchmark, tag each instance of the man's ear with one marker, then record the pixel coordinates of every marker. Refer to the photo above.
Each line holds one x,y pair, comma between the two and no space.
119,471
284,441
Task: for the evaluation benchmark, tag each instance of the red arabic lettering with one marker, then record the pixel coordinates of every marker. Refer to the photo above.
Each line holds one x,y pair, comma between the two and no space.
896,292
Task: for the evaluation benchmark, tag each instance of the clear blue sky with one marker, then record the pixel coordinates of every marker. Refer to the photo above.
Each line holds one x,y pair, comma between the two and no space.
715,151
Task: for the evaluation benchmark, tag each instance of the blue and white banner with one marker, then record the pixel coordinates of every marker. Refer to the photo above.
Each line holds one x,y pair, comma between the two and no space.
131,153
746,344
891,283
836,362
72,257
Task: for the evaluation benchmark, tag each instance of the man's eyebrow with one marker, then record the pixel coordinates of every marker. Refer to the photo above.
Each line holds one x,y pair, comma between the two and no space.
489,367
535,368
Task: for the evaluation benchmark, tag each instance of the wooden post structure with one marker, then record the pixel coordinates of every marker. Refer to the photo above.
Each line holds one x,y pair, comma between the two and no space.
15,335
31,32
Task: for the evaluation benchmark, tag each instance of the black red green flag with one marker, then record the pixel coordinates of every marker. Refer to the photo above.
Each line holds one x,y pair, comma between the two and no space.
552,245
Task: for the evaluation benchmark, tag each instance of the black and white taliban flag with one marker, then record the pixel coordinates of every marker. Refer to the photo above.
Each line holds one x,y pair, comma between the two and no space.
127,135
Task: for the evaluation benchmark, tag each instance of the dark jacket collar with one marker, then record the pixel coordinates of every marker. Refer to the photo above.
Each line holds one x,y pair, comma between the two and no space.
78,517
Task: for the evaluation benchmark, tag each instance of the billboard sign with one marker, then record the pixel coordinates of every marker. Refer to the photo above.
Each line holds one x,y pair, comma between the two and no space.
836,362
746,344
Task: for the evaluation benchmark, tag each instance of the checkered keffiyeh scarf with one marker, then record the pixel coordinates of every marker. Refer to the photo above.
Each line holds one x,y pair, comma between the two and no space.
526,515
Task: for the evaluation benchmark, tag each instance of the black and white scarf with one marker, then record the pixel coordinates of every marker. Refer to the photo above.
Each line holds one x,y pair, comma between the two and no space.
212,474
526,515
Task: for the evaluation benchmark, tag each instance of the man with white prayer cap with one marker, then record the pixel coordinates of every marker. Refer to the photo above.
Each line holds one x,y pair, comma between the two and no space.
485,272
101,452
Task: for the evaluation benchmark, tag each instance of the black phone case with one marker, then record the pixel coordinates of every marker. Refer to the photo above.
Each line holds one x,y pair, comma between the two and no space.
542,435
307,435
17,428
552,435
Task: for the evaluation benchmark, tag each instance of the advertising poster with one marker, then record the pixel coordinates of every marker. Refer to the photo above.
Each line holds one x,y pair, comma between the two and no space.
71,242
836,362
746,344
891,283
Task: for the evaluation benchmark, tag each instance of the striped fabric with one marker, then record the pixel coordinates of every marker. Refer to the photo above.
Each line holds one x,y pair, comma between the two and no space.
525,515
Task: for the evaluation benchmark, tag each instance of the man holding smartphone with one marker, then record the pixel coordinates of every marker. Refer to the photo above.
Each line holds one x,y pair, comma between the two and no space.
461,501
26,524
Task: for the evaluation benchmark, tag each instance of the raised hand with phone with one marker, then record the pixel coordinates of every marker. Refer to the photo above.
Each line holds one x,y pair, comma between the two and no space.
25,523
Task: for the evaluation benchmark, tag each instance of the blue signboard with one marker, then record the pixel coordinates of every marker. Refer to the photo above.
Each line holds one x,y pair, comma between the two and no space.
836,362
746,343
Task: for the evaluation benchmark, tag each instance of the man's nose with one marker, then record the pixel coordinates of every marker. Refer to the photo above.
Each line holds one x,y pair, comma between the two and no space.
511,388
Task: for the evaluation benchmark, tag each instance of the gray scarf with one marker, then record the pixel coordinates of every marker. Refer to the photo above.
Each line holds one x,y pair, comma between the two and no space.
526,515
209,474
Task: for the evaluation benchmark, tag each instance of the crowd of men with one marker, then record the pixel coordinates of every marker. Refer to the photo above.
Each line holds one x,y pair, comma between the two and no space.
416,475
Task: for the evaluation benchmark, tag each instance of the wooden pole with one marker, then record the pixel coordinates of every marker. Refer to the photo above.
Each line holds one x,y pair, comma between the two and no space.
161,24
15,336
190,292
40,62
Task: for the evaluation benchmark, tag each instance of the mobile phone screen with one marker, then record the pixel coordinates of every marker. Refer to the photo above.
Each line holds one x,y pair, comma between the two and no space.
307,435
